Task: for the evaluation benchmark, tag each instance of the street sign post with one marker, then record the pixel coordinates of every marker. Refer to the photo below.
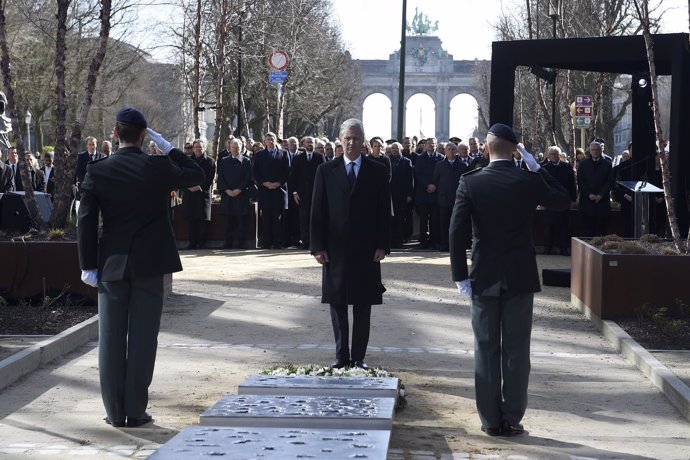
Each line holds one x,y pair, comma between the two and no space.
278,60
584,109
277,77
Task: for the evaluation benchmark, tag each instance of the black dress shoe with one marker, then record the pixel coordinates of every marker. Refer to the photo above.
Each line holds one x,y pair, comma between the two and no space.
511,430
115,424
143,420
360,364
491,431
339,364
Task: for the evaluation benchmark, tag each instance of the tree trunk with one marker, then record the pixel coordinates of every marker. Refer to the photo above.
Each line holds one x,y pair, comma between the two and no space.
24,168
64,162
196,83
642,7
60,214
222,34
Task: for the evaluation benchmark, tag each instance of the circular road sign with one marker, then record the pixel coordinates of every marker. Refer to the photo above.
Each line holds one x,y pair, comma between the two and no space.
278,60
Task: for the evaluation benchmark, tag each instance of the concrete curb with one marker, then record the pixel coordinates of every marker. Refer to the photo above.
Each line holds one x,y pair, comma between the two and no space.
30,359
674,388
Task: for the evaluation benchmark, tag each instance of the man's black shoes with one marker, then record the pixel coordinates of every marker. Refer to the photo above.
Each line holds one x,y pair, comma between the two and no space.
511,430
360,365
492,431
136,422
115,424
339,364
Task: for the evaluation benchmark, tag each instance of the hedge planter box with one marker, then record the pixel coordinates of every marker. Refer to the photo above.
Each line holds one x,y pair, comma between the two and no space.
618,285
30,269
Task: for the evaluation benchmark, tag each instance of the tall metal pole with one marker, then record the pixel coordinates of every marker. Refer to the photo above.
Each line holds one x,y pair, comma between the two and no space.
239,77
553,12
401,84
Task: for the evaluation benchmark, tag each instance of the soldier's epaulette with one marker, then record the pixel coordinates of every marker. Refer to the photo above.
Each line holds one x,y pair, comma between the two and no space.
473,171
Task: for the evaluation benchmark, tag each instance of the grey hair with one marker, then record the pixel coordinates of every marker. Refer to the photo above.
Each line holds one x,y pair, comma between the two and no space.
595,144
237,141
553,148
352,123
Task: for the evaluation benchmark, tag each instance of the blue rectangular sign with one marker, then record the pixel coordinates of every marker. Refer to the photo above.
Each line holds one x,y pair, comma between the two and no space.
277,77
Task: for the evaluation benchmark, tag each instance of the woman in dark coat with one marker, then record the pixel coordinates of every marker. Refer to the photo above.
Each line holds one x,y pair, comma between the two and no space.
196,201
234,180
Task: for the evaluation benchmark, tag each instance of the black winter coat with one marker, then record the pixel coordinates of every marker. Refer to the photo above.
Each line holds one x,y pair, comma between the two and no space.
233,174
197,205
350,226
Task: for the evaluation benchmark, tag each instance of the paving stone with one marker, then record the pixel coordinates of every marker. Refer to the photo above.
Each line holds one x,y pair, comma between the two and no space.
301,412
274,443
301,385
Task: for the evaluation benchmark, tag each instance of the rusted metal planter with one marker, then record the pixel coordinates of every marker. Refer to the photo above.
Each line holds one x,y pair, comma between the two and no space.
618,285
31,268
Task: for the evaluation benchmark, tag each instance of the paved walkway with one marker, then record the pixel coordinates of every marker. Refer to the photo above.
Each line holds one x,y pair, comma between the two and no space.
235,313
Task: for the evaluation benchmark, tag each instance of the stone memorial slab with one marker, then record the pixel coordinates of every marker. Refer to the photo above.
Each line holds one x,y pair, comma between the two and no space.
308,385
202,442
301,412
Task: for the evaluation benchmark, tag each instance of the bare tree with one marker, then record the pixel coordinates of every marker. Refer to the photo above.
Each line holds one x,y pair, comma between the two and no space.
642,7
24,168
66,149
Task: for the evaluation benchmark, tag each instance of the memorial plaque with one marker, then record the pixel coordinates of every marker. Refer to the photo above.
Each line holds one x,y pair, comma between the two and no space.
301,412
203,442
307,385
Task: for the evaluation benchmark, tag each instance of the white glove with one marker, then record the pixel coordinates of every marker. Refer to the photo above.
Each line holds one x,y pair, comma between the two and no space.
464,287
163,145
90,277
529,160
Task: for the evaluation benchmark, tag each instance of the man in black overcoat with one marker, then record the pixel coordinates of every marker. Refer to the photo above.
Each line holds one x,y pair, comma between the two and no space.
128,258
594,182
271,171
446,177
302,185
496,204
425,199
83,159
234,179
5,178
49,173
402,190
350,225
196,200
557,228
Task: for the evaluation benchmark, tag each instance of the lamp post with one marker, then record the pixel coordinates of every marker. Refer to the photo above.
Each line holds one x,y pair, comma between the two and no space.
554,7
240,124
401,81
27,119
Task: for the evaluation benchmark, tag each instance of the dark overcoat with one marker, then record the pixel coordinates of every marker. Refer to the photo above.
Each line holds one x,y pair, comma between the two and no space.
269,168
424,175
350,225
446,179
197,205
402,182
130,191
564,174
595,177
494,208
302,175
233,174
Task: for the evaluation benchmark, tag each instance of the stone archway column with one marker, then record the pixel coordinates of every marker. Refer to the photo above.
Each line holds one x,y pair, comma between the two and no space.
442,112
393,96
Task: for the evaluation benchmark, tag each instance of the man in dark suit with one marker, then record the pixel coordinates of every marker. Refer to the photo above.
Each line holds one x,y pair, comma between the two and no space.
6,177
15,174
271,170
557,227
350,225
234,180
594,182
291,229
425,199
130,190
49,173
302,185
402,190
623,171
83,159
499,201
446,177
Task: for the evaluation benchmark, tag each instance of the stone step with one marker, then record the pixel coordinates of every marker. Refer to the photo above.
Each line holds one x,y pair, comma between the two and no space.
301,412
308,385
245,443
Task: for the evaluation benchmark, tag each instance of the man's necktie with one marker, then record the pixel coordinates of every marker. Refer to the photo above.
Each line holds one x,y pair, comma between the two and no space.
351,175
308,156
